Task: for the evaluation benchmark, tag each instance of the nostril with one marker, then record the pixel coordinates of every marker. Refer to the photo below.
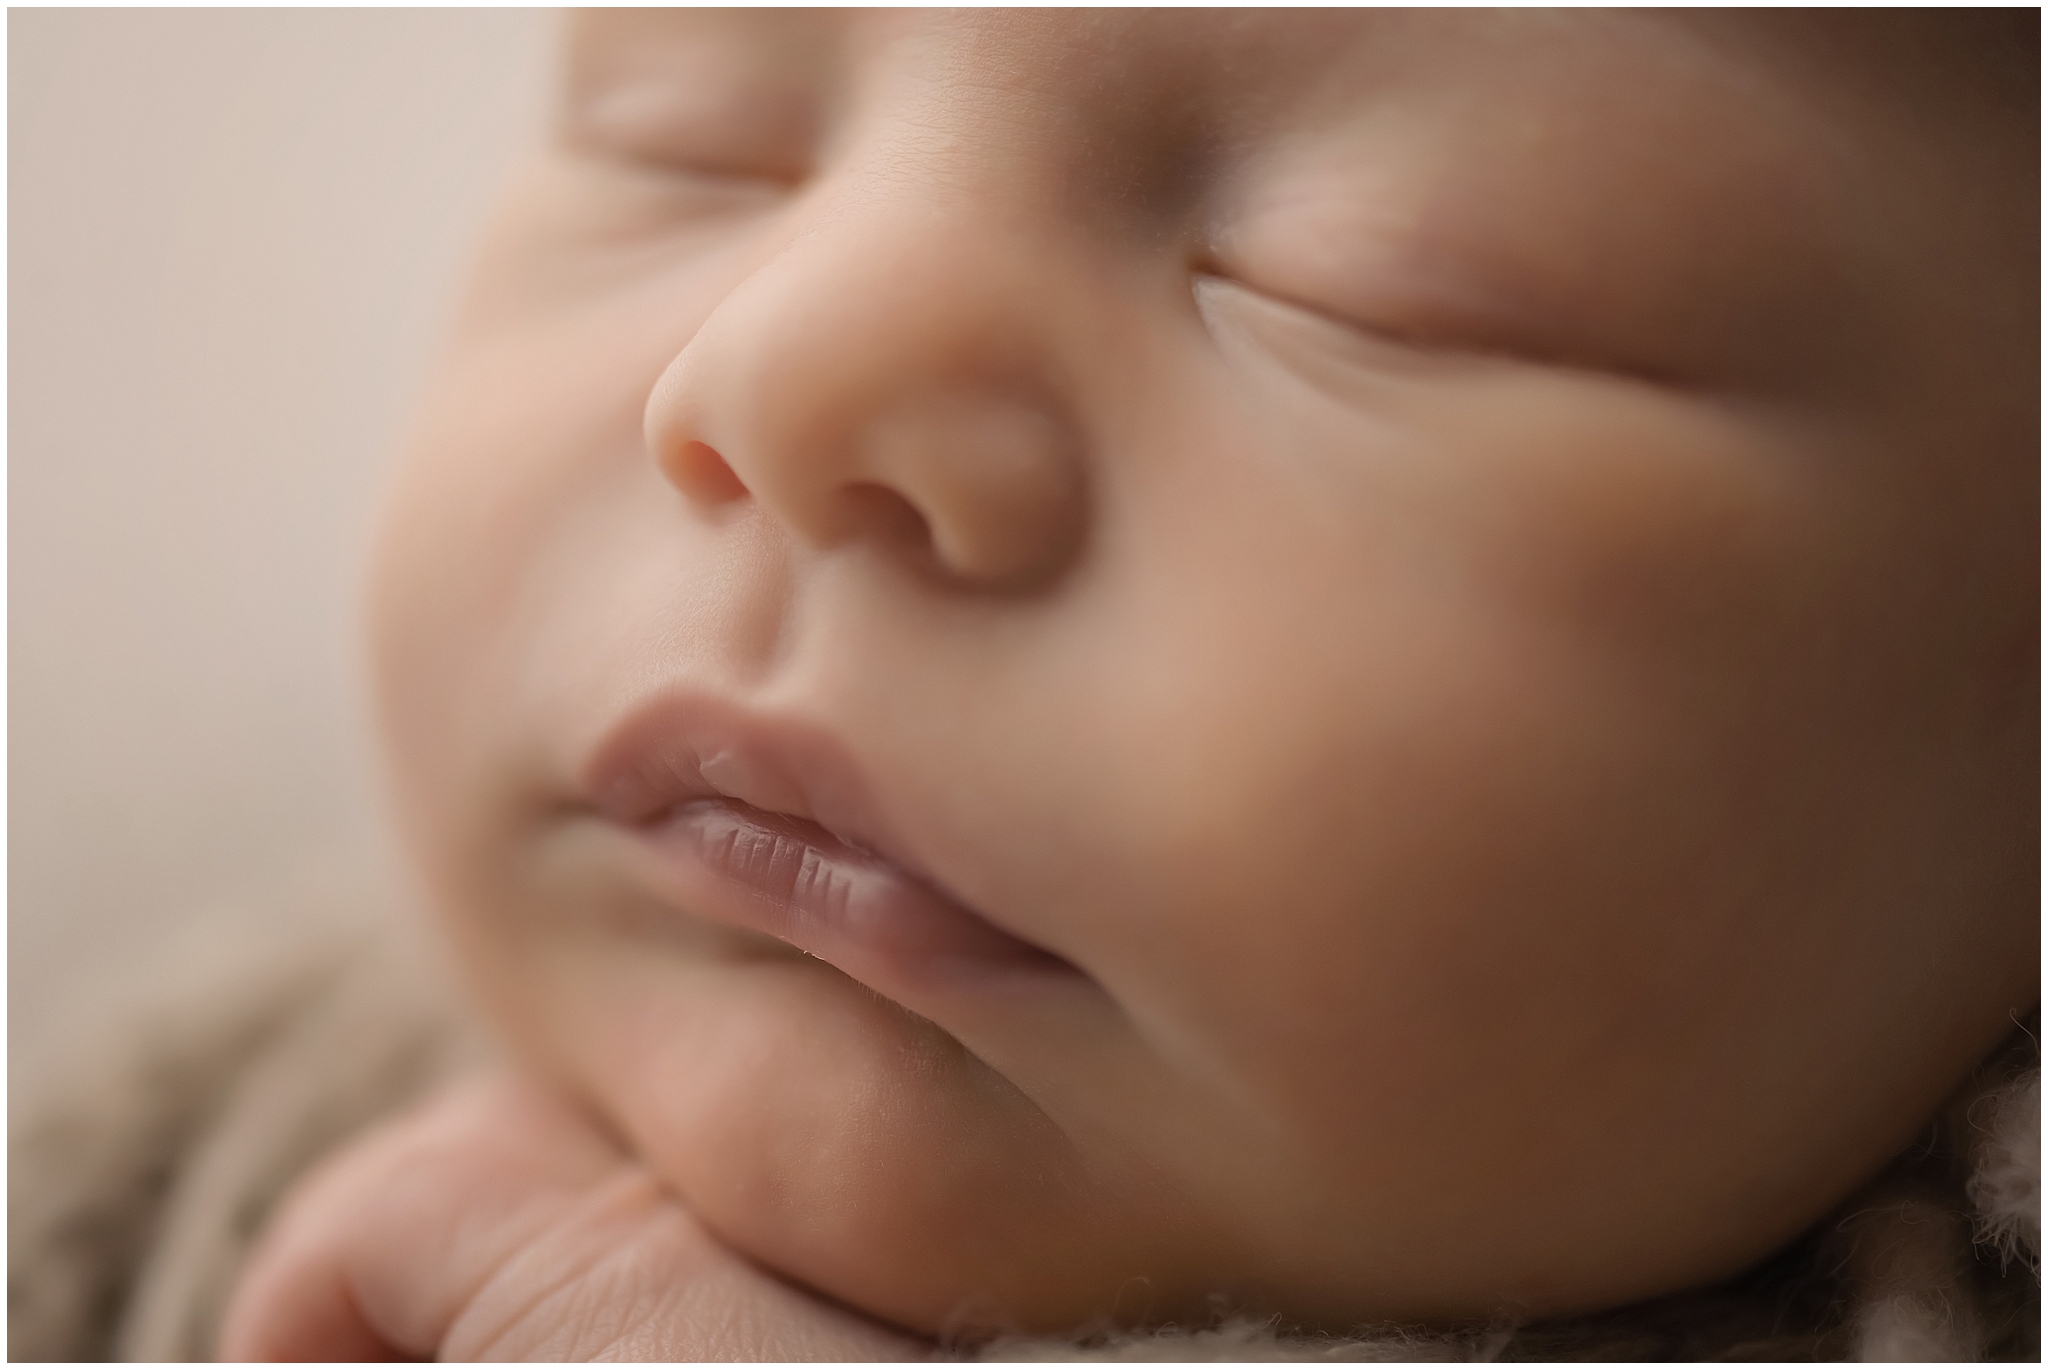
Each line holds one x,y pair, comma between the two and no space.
886,516
699,472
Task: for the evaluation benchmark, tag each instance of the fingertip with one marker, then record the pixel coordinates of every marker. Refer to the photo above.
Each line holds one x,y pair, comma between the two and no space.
300,1310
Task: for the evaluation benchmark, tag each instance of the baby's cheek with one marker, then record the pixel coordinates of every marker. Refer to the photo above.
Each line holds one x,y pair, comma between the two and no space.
1634,514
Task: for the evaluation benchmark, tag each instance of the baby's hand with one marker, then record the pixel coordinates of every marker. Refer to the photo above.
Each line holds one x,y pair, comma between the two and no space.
495,1223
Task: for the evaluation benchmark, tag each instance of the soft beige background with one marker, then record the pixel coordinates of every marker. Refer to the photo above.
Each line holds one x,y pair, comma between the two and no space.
232,234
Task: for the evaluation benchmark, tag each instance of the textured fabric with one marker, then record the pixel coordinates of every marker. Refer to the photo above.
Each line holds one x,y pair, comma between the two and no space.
139,1179
137,1185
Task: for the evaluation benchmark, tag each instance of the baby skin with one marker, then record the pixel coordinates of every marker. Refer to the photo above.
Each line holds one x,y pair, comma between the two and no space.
1051,666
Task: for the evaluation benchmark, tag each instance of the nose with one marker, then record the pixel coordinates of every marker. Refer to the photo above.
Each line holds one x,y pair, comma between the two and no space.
893,379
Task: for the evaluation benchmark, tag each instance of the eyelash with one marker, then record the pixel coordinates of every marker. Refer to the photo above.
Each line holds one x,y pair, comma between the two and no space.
639,155
1387,349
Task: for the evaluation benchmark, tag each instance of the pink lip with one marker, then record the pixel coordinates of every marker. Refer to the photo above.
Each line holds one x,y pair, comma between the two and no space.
767,825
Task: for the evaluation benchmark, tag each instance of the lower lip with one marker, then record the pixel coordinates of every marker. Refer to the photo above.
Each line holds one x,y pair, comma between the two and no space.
794,881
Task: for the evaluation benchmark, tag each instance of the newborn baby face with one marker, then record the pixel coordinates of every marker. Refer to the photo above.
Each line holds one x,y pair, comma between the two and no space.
1376,663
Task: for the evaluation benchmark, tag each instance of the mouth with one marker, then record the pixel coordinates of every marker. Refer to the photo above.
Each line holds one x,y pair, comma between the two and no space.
766,826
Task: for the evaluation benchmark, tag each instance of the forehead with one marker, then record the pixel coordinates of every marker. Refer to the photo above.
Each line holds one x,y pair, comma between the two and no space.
1941,63
1105,52
1129,92
1143,107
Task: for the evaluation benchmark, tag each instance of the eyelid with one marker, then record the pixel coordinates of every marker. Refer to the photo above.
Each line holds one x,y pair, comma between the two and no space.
1342,353
720,128
1296,325
1443,279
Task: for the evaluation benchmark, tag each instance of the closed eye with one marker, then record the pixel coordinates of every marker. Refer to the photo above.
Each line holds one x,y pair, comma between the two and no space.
1326,343
664,126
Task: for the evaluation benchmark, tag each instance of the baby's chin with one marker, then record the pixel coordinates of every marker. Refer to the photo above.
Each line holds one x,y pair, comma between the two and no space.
860,1152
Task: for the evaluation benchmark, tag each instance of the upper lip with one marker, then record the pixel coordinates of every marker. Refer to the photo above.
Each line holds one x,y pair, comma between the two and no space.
684,747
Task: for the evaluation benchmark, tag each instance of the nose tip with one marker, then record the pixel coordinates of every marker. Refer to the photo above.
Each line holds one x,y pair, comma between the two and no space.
909,374
988,494
973,483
